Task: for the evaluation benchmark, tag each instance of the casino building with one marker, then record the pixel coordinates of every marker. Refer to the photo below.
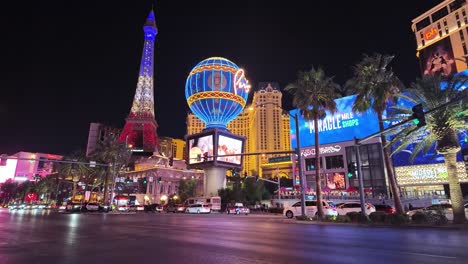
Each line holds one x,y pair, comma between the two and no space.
441,36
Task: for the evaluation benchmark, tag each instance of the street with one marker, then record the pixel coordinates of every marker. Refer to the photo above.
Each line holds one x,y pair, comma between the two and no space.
51,237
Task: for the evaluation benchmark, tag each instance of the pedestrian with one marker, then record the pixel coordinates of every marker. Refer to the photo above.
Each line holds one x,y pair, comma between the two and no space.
410,206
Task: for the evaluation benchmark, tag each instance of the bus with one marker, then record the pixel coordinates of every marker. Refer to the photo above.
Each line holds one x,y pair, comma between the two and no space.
214,202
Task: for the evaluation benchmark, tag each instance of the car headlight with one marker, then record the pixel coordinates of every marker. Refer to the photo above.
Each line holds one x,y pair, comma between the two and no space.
76,206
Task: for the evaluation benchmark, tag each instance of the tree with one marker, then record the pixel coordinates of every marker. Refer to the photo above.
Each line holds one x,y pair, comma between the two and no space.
187,189
47,185
376,84
314,95
76,170
113,153
442,126
24,188
9,188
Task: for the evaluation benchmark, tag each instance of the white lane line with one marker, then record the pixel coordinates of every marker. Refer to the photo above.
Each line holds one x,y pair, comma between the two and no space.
429,255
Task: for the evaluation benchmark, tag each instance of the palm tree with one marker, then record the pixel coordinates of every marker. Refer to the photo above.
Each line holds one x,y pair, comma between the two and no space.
375,85
9,189
442,129
314,95
74,171
113,153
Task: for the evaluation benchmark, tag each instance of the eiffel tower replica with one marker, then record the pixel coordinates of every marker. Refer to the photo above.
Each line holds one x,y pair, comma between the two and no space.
139,132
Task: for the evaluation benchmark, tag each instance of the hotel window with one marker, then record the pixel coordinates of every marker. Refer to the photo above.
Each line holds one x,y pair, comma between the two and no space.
446,30
462,37
466,20
465,51
457,16
445,22
423,23
334,162
458,23
439,14
463,12
440,33
438,25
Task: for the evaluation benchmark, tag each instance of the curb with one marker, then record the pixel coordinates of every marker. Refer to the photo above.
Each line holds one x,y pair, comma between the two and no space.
452,227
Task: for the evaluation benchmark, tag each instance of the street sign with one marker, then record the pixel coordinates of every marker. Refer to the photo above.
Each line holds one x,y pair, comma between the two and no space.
279,159
151,178
92,164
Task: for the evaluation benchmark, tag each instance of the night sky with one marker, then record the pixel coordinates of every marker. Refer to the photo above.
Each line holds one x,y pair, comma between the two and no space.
66,64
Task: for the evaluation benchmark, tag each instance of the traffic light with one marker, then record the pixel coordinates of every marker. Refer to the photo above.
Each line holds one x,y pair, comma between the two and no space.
159,180
127,180
144,180
257,178
352,167
418,115
205,157
234,173
171,161
245,176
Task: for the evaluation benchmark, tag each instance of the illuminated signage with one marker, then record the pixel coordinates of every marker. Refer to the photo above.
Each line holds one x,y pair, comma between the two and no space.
199,148
430,34
323,150
8,171
430,172
342,126
229,146
240,82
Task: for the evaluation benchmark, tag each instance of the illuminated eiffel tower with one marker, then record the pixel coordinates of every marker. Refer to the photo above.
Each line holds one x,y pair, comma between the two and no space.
139,132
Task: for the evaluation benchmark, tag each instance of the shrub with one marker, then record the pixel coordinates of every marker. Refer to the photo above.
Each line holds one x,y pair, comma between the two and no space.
343,219
275,210
304,218
420,218
378,217
396,219
357,217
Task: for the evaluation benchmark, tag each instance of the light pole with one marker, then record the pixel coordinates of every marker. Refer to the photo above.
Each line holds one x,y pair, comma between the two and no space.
298,153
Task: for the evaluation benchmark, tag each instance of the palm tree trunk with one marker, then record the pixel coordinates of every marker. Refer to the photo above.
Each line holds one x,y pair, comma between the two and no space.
106,182
74,190
318,186
456,196
388,164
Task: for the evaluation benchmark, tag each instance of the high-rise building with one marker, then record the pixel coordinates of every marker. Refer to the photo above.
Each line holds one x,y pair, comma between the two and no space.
441,38
266,129
171,147
30,166
98,133
140,126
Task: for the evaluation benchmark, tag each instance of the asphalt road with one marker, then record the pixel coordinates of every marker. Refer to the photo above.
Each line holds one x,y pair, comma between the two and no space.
47,237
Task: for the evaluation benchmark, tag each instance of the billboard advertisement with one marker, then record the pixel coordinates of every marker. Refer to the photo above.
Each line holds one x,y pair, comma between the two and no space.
228,146
200,147
402,158
344,125
438,58
8,171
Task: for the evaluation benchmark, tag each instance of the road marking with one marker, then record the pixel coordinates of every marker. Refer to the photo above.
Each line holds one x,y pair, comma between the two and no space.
430,255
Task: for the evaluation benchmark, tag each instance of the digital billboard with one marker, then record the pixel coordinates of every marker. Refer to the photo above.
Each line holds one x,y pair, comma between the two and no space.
438,58
344,125
200,147
402,158
228,146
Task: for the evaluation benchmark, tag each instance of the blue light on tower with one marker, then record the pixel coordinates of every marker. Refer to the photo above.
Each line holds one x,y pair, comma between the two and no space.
216,91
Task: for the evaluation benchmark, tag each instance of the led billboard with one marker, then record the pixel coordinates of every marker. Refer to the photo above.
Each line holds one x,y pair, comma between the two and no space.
344,125
201,147
438,58
229,146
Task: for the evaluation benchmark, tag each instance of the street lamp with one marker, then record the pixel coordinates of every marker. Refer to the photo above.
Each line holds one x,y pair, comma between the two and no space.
298,153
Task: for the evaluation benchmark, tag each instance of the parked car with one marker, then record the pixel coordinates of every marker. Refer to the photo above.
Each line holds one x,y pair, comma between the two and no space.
238,208
311,209
445,208
198,209
384,208
346,207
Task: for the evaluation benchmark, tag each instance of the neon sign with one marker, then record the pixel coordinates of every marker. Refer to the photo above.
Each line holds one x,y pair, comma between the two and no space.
238,84
430,34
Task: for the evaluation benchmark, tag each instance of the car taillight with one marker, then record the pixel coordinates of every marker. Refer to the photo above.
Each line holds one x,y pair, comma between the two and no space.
392,210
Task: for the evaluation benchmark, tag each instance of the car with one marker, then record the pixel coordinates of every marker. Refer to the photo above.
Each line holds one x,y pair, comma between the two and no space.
73,207
346,207
384,208
311,209
238,208
175,208
160,208
435,208
198,209
90,207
